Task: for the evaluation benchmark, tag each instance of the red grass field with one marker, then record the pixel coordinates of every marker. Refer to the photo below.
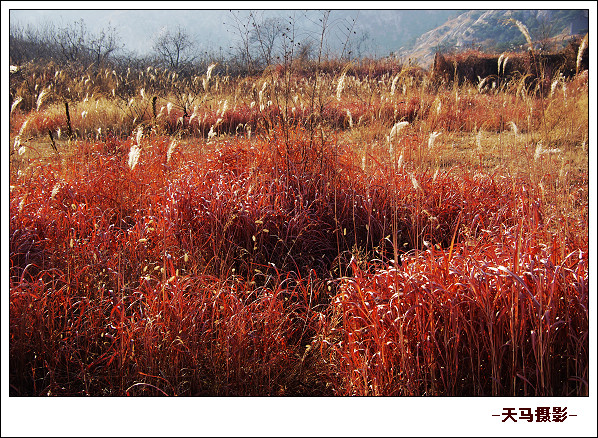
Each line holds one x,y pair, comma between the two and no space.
289,242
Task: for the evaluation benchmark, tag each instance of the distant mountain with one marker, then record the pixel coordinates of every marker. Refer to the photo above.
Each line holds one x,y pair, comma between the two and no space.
381,32
491,31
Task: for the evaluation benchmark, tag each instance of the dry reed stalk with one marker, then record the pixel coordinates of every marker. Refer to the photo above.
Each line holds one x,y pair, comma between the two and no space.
40,98
523,29
393,85
393,133
206,81
582,47
15,103
340,86
135,151
171,149
432,139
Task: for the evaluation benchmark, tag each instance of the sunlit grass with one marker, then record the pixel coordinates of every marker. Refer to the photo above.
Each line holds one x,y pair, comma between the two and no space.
278,235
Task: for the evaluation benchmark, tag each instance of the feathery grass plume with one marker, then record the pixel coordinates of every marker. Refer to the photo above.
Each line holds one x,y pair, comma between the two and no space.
40,98
134,154
395,130
414,182
142,92
513,127
171,149
169,107
260,96
432,138
206,81
541,151
139,134
350,119
211,134
553,86
193,114
555,151
17,146
478,140
393,133
224,108
23,127
55,190
523,29
15,103
500,58
340,86
481,84
394,84
538,151
582,47
209,71
400,161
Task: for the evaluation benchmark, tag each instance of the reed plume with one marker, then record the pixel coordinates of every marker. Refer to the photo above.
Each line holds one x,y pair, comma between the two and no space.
15,103
523,29
40,98
582,47
134,155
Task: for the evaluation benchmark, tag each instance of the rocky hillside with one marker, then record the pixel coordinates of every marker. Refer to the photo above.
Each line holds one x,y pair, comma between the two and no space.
491,31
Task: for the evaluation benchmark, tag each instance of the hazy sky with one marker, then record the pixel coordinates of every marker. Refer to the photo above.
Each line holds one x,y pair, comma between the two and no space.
137,28
212,28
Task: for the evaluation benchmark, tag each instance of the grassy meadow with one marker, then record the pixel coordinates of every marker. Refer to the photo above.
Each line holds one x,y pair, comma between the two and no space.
322,230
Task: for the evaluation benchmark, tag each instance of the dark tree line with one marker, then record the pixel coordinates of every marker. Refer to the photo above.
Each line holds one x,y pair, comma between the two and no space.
71,44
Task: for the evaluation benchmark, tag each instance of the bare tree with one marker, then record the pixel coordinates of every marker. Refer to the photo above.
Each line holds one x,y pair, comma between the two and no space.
544,32
31,42
347,31
264,34
102,45
243,30
305,51
70,44
71,41
174,48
